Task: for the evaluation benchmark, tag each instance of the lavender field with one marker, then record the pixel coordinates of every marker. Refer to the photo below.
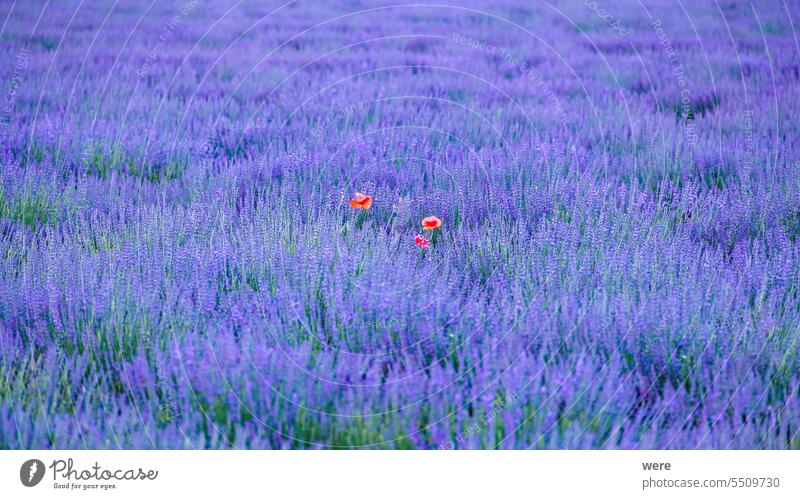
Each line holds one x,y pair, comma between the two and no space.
211,223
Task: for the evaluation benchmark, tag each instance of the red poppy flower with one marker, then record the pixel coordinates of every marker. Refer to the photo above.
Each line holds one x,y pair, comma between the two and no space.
430,223
361,201
421,241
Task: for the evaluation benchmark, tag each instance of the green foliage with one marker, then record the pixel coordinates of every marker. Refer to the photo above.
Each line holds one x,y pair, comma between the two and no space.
32,209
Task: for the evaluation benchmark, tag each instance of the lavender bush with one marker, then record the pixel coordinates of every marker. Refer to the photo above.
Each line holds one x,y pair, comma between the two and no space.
617,265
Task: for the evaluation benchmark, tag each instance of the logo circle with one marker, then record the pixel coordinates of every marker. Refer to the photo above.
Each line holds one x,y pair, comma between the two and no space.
31,472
